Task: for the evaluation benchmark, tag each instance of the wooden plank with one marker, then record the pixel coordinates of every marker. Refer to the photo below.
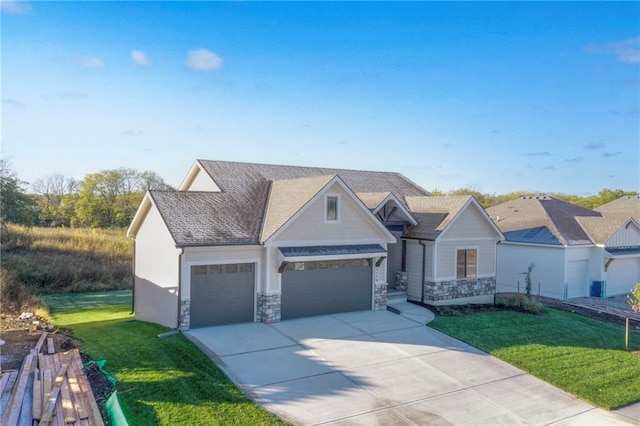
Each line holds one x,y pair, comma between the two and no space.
4,397
3,382
77,393
38,346
37,398
11,414
57,385
95,418
26,411
58,414
67,403
51,349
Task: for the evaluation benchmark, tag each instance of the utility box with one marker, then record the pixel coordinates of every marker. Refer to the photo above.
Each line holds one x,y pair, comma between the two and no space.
599,289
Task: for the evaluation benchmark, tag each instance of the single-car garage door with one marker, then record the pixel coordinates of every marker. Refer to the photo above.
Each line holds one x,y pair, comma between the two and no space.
326,287
222,294
578,278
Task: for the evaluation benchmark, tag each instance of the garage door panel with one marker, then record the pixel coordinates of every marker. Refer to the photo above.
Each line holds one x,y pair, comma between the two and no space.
622,275
222,295
578,278
325,291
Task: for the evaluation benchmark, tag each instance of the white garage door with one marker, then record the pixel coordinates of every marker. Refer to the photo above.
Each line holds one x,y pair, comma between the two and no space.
622,275
578,278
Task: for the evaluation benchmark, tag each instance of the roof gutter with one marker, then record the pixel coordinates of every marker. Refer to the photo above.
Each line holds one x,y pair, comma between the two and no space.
424,268
133,277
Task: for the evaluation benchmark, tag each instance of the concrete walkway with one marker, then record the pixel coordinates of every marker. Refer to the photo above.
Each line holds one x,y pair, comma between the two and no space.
380,368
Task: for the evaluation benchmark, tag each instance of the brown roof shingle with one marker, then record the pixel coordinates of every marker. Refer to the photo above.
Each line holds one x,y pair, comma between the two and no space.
535,212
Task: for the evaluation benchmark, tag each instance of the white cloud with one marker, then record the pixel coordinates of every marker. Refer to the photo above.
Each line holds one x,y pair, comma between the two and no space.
91,62
203,60
140,58
15,7
627,50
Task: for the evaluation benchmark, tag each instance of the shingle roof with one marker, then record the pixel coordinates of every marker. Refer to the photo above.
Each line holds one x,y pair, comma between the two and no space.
206,218
231,175
433,214
331,250
628,206
528,213
600,229
235,215
372,199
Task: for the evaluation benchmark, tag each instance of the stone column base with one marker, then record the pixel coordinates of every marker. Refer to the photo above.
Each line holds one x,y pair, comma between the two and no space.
269,308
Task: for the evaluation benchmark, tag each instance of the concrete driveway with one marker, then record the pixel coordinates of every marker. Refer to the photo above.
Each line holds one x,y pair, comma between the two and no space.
377,367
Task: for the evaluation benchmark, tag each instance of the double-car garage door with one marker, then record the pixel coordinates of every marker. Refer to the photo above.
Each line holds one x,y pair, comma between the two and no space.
225,294
326,287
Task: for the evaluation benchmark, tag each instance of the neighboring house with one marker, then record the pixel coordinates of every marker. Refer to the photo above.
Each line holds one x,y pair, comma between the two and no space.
243,242
577,251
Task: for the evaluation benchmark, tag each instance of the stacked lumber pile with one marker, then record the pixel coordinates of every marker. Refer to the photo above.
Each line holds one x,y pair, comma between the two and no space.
49,389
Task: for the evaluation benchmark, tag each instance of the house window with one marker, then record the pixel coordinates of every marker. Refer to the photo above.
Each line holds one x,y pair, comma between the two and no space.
467,263
331,208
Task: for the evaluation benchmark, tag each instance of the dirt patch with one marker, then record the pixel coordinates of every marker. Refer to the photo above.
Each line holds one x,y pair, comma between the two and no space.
600,313
20,333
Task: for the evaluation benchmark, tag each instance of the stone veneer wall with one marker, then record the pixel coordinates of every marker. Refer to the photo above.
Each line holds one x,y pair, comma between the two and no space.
269,308
185,315
455,289
380,297
402,281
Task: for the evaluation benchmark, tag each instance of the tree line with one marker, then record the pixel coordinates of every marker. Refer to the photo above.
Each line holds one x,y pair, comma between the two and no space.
110,198
591,201
107,199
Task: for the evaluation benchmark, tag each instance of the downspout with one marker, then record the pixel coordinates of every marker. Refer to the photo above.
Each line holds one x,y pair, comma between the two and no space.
179,286
424,268
133,272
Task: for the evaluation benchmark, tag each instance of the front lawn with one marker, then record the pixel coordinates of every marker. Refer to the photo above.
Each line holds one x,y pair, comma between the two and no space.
583,356
164,381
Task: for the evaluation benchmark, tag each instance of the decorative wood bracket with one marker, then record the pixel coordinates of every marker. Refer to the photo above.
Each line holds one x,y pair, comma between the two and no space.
282,266
379,262
609,261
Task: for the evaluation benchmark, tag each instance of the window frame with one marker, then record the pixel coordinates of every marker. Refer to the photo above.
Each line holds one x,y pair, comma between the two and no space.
338,202
468,273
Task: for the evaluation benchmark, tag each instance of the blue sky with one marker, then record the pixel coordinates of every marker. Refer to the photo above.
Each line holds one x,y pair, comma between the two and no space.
534,96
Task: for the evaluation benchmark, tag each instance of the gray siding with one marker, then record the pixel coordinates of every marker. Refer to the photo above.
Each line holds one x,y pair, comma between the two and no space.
414,270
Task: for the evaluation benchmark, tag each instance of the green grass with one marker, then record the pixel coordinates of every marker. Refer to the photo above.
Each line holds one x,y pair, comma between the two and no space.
583,356
38,261
167,381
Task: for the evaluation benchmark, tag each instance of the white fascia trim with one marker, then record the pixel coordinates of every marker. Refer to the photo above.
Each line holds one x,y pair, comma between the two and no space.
191,175
141,213
393,198
193,172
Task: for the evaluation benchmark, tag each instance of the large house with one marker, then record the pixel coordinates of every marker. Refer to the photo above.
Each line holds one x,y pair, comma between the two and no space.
243,242
578,252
